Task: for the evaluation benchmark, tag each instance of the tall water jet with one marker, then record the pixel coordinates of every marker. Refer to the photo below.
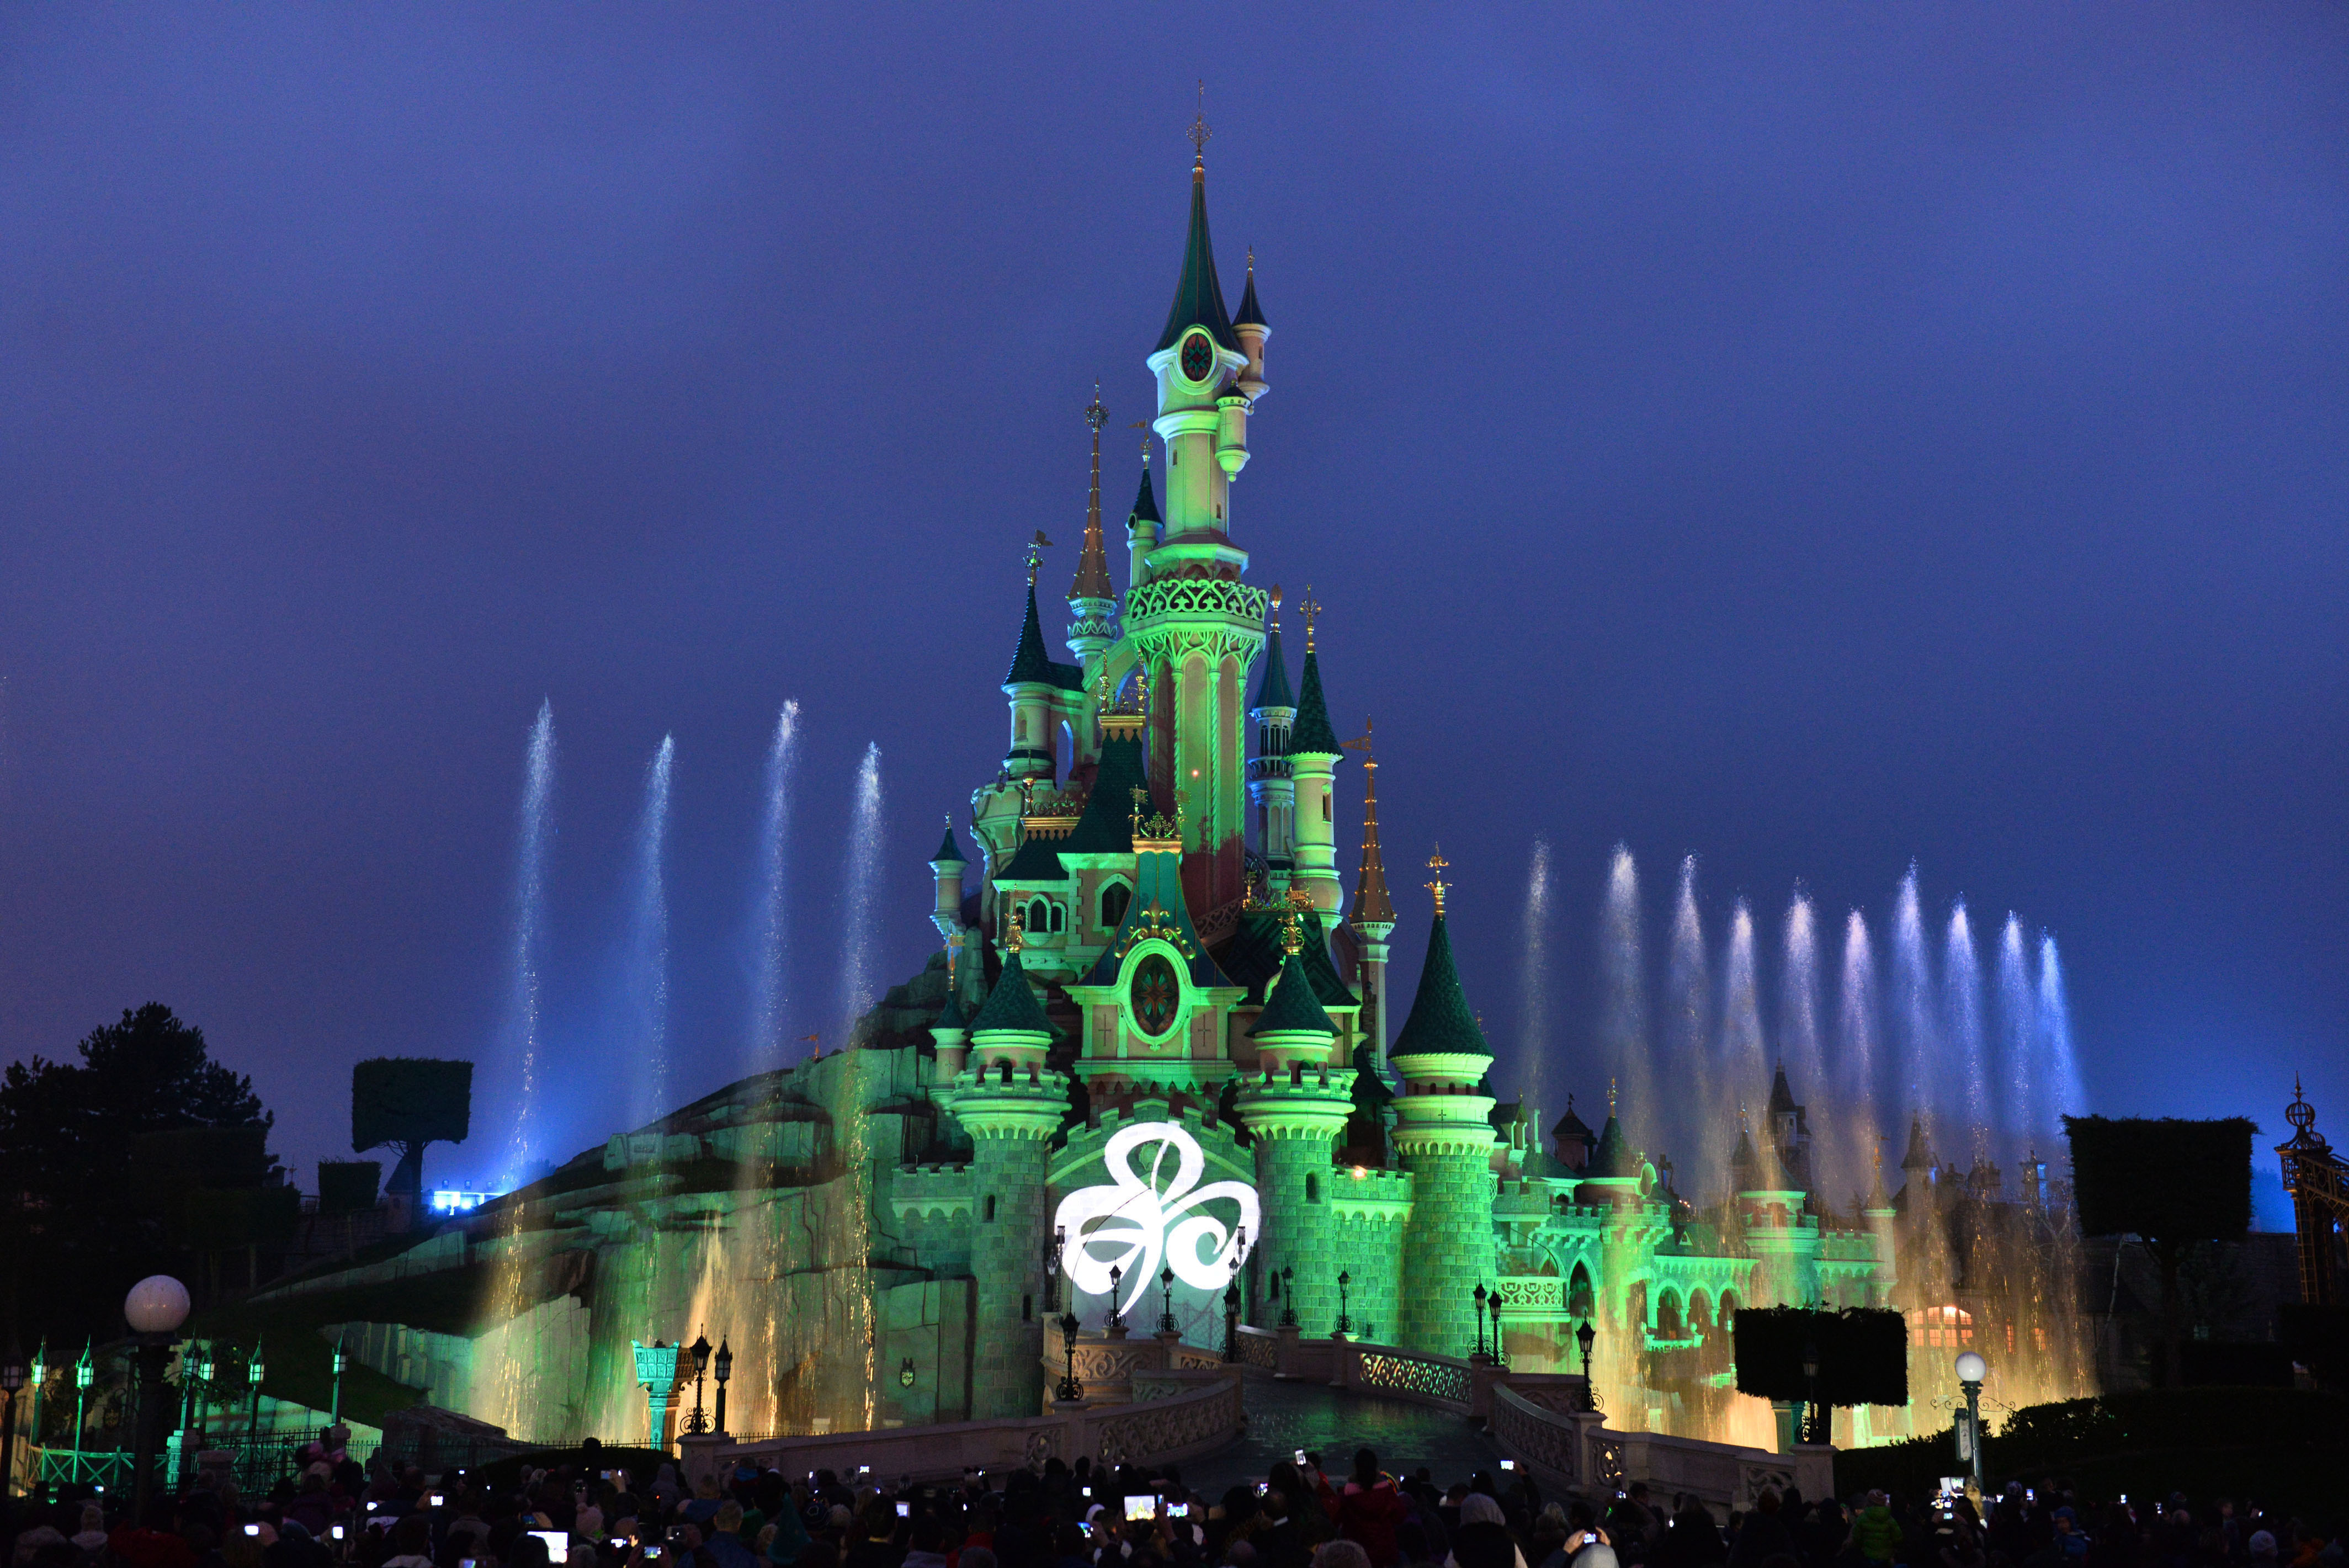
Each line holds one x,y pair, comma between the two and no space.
1912,1002
1533,1011
1855,1052
1744,1068
533,836
858,936
2061,1066
1962,1007
645,973
770,976
1623,990
2017,1019
1687,1037
1798,1019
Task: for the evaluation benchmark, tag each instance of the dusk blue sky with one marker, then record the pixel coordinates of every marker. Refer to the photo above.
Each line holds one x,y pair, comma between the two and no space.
1814,438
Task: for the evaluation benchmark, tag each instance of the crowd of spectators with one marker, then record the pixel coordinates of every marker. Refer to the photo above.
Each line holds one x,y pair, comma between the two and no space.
336,1513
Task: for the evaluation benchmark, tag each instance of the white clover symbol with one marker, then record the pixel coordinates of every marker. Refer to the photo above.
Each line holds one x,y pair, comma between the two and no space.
1125,1225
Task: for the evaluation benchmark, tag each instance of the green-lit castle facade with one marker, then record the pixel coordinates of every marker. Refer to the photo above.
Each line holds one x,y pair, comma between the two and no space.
1155,1038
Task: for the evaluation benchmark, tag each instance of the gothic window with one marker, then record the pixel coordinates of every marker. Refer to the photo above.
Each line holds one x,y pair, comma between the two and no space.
1039,917
1577,1293
1060,918
1114,899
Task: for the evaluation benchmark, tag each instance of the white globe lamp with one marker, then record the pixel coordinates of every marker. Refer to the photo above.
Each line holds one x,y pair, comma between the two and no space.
1971,1368
156,1305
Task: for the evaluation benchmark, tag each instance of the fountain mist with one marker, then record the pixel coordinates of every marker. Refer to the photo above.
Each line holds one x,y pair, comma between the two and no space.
647,972
1912,997
1856,1038
2061,1069
1798,1006
2017,1019
764,1048
1533,1014
535,831
1962,1005
1744,1066
1623,1038
1687,1044
864,875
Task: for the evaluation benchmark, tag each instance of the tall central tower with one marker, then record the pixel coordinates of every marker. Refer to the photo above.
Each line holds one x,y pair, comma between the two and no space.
1191,618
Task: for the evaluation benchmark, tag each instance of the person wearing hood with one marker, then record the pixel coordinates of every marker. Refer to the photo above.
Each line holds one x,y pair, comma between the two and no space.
1876,1533
1483,1540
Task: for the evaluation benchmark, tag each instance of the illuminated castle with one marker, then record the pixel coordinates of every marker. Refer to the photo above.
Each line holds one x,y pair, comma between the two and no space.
1156,1042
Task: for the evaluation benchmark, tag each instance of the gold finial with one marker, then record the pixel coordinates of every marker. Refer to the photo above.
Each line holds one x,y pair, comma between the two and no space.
1014,938
1309,609
1251,261
1436,863
1611,1098
1299,899
1095,414
1291,942
1276,607
1199,134
1035,552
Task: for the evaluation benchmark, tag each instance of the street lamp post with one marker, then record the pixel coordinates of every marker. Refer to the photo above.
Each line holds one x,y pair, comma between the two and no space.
1167,1324
1345,1322
254,1371
199,1382
1071,1390
699,1351
1500,1355
342,1360
1584,1338
1232,1318
1480,1323
1971,1369
1810,1392
155,1308
12,1383
83,1376
1113,1325
722,1369
1287,1296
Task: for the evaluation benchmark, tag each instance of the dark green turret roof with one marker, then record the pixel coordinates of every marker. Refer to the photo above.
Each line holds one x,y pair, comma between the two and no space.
951,1015
1199,297
1029,662
1251,313
1273,691
1292,1005
1921,1147
1012,1004
948,851
1039,861
1107,825
1441,1022
1145,502
1782,1096
1311,732
1251,956
1614,1156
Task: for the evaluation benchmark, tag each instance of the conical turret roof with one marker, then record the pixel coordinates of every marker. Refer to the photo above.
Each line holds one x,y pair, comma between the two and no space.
1250,313
1029,662
1273,691
1145,502
1292,1005
1782,1096
1570,1125
1012,1004
1614,1158
1311,730
1921,1147
949,852
951,1015
1199,297
1107,825
1372,905
1440,1021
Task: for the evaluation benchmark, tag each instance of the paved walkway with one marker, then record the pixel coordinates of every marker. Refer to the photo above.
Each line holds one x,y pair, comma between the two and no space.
1285,1416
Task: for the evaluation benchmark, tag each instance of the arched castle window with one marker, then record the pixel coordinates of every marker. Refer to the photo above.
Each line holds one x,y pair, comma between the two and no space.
1114,901
1060,918
1667,1316
990,1209
1312,1188
1325,808
1039,917
1579,1293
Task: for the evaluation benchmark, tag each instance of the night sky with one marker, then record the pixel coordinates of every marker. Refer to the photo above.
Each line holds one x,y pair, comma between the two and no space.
1811,439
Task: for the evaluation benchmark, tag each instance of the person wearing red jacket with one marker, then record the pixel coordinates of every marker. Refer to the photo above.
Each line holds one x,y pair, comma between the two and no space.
1366,1511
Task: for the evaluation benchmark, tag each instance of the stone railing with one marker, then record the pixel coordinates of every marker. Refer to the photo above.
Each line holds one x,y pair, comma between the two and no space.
1573,1450
1445,1381
1260,1350
1180,1425
1112,1367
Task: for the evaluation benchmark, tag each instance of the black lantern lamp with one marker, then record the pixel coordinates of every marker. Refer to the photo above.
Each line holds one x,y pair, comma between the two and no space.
1115,1322
1232,1318
1584,1338
1500,1355
1288,1297
700,1350
1345,1322
1167,1324
1480,1320
1071,1389
723,1368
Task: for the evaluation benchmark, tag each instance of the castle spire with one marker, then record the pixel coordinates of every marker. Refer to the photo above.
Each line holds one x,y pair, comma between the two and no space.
1092,585
1372,901
1199,297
